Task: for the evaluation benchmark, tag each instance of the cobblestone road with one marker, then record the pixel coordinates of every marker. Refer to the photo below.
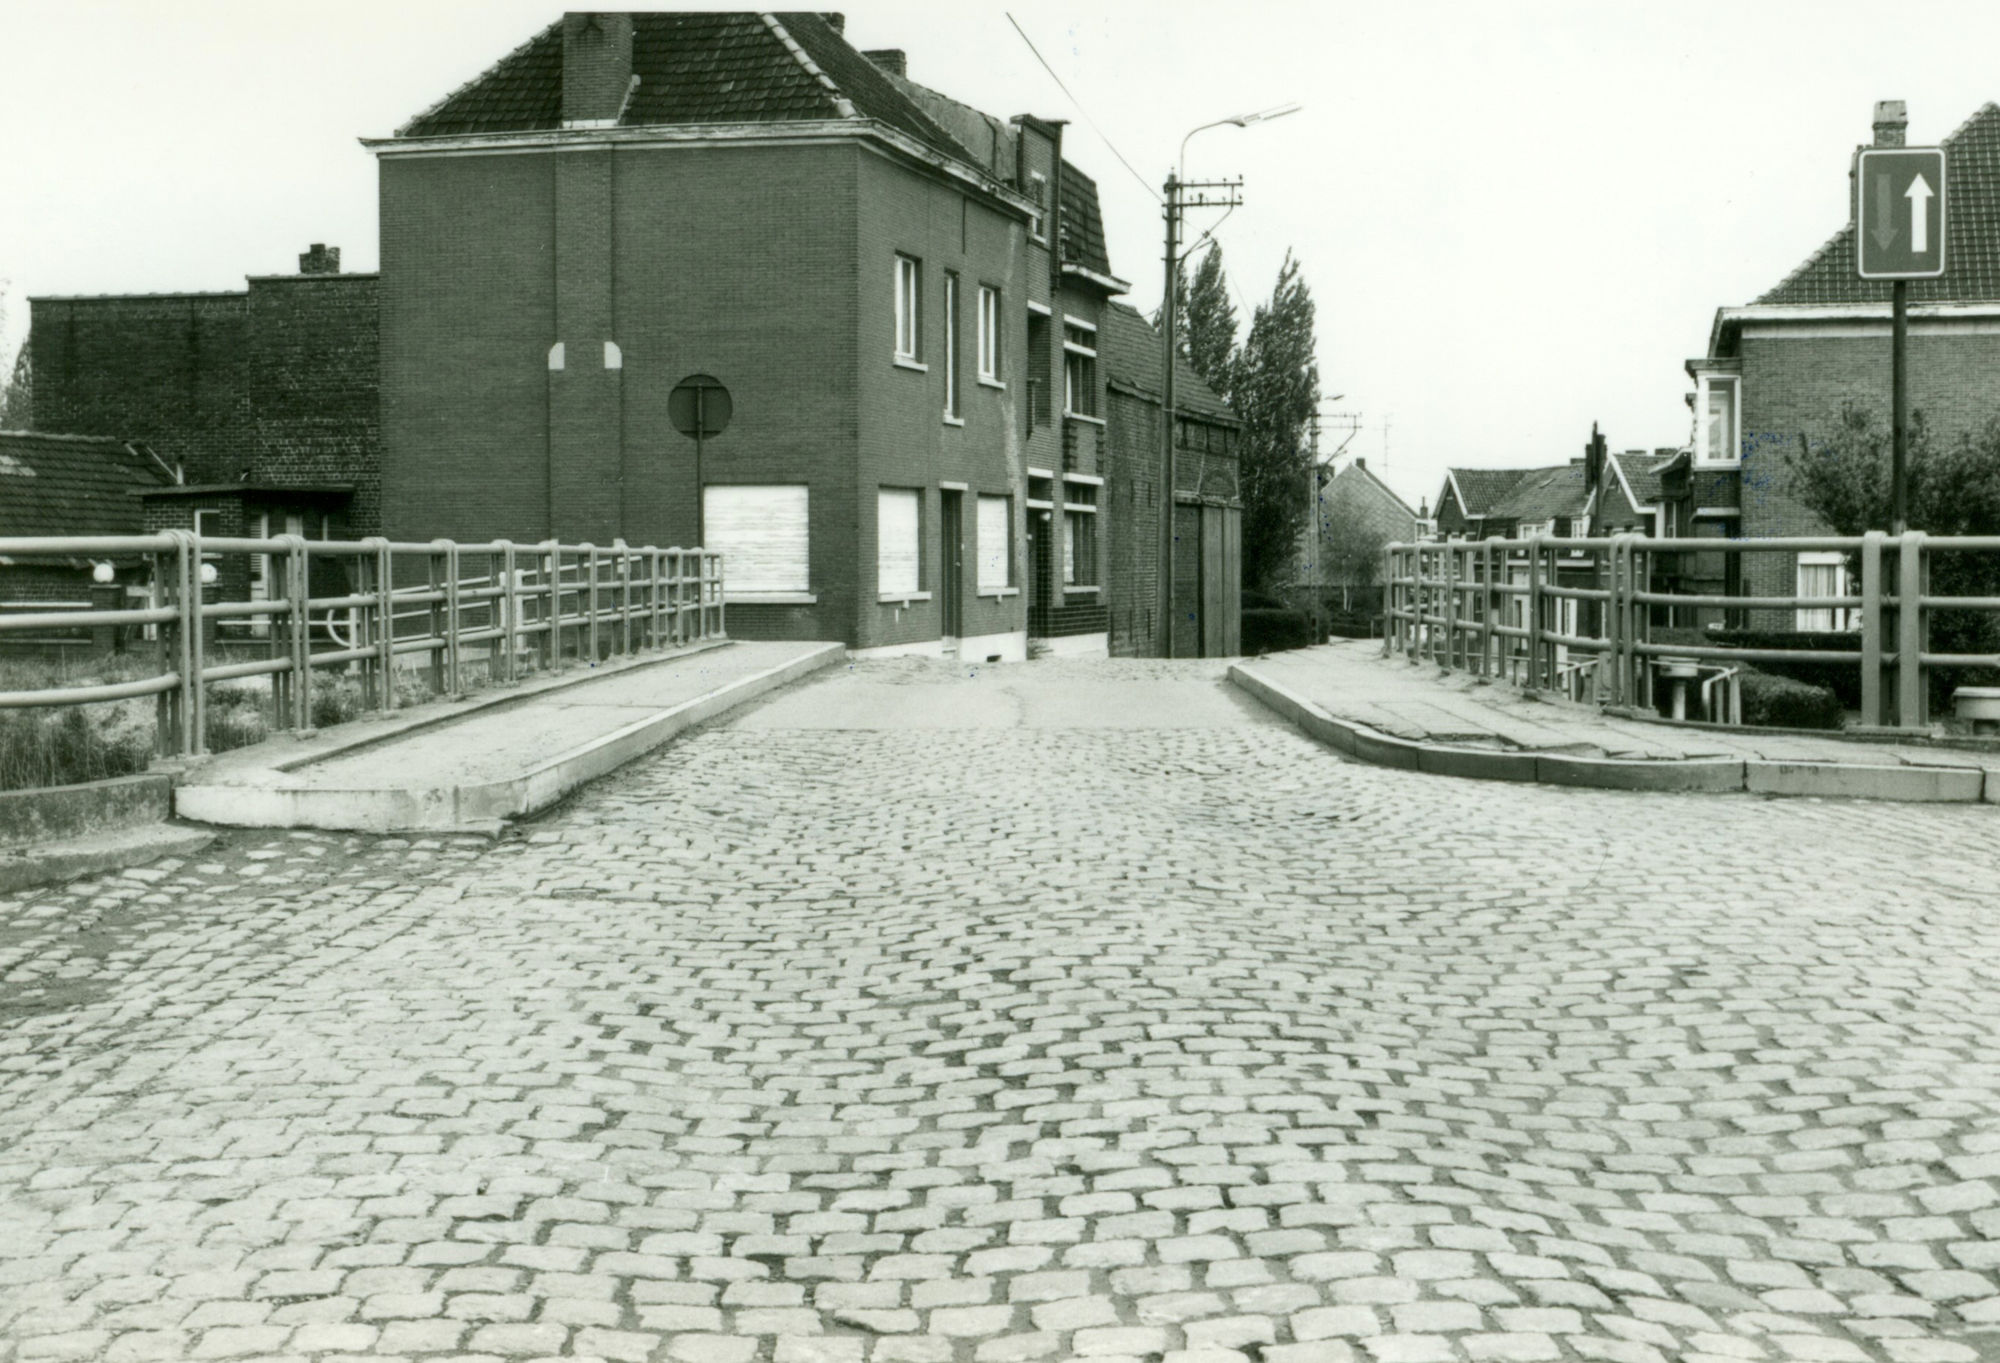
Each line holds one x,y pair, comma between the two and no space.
1170,1037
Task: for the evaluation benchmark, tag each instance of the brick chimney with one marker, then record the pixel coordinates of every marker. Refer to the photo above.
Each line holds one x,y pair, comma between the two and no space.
320,259
890,59
1892,120
597,68
836,21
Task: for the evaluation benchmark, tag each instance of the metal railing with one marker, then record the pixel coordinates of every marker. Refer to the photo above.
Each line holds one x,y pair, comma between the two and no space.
370,609
1586,622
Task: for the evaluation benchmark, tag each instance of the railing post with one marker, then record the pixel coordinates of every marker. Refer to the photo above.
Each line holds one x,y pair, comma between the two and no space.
624,596
509,606
1910,632
1450,658
1611,661
1535,671
298,601
1874,704
194,741
434,658
552,616
590,610
1489,608
453,682
385,609
165,705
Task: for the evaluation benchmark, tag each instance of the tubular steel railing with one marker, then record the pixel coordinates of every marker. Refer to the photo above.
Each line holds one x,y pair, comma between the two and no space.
368,608
1450,601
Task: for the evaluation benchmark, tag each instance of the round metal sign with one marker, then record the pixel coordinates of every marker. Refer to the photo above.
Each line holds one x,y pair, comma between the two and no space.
699,406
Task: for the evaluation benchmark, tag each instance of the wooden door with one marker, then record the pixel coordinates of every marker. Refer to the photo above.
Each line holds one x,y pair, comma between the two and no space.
951,564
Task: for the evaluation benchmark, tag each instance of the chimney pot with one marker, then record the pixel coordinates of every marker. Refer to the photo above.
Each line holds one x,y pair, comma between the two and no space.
890,59
320,259
1359,462
1892,121
836,21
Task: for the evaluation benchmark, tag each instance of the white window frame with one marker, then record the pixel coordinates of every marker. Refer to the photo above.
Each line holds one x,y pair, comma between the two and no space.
892,587
951,411
984,556
1706,382
1073,515
1088,352
909,311
989,337
1822,619
1038,192
793,586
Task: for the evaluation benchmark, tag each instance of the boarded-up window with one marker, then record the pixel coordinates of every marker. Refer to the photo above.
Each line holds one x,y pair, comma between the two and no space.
996,543
761,532
896,542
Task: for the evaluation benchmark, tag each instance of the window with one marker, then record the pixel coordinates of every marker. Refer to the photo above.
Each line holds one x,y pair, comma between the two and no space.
1038,192
951,345
1079,548
909,293
1720,436
1079,369
761,532
1039,330
989,334
996,543
1822,575
897,560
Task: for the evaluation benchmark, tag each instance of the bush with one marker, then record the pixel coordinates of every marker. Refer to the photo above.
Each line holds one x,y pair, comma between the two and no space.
1273,631
1784,703
1843,679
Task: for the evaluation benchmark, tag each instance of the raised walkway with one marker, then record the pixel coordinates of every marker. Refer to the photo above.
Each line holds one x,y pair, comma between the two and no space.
472,764
1418,717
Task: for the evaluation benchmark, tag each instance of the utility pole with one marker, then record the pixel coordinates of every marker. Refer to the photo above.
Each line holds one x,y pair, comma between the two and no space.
1206,194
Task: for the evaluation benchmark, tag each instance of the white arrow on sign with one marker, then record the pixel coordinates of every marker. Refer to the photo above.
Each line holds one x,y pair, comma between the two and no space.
1919,194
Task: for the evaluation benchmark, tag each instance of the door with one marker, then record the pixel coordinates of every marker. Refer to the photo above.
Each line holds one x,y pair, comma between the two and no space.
1187,581
1213,616
951,563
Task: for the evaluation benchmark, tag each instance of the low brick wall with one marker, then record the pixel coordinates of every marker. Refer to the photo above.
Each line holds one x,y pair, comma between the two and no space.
59,813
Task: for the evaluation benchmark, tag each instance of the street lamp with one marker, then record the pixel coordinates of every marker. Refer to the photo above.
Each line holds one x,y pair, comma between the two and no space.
1170,319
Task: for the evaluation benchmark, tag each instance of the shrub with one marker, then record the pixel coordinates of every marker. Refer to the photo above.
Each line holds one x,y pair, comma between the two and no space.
1843,679
1784,703
1272,631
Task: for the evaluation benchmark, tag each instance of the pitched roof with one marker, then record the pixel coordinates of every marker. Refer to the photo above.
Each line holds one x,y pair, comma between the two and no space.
991,142
1359,468
1128,350
1543,494
1480,489
1972,234
694,68
1640,470
72,484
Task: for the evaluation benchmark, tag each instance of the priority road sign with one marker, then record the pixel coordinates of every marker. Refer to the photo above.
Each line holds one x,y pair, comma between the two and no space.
1899,212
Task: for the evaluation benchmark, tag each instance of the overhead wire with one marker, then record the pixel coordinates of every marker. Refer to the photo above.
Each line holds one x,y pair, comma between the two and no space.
1104,136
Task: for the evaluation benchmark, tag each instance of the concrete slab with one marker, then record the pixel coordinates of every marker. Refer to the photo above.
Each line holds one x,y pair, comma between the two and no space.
478,769
94,853
1867,782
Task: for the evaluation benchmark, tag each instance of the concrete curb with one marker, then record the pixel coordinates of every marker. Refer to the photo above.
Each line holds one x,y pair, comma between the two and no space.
1703,775
484,806
48,814
23,868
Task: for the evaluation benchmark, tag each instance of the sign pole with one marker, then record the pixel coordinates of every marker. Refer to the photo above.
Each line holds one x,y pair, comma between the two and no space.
700,433
1899,405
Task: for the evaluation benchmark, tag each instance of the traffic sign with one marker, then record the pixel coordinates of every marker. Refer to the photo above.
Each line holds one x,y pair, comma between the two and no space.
1899,212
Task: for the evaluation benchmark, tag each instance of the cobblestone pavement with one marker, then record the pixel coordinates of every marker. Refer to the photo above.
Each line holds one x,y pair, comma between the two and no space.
1188,1042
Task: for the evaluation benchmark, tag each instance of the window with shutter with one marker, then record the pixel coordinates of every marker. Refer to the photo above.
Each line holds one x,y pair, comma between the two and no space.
761,533
996,543
896,540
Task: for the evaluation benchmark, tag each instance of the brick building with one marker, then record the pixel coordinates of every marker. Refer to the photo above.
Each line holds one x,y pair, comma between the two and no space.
72,486
893,288
1778,372
263,401
1356,515
1208,506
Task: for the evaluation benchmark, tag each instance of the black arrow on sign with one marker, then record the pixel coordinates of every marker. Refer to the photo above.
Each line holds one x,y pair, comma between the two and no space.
1885,231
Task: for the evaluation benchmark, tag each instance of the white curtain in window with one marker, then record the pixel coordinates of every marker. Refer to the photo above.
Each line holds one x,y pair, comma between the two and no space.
761,532
896,542
1820,578
995,548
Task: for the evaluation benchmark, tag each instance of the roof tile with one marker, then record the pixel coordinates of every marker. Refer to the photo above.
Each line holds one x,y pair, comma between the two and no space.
71,484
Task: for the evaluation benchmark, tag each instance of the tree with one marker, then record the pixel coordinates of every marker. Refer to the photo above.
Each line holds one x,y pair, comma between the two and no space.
1950,489
1274,388
1207,331
17,394
1350,547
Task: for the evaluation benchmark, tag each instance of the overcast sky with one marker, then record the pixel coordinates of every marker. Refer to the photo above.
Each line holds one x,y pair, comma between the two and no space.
1516,219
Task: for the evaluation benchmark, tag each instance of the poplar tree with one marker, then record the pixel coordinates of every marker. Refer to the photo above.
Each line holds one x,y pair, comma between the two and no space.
1275,388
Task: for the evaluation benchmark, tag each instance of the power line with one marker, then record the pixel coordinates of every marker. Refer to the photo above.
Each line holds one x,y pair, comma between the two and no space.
1080,109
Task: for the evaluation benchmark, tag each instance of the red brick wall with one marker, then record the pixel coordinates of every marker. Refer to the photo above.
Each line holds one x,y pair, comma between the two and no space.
313,376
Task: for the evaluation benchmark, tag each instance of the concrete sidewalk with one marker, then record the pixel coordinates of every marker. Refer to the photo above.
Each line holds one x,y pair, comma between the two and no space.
1416,716
472,764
